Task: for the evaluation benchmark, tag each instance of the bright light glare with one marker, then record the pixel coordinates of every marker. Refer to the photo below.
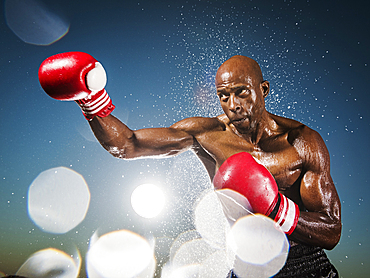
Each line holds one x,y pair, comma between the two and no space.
121,254
147,200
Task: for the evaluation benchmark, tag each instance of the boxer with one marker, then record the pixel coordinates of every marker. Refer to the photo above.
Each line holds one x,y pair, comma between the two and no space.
293,184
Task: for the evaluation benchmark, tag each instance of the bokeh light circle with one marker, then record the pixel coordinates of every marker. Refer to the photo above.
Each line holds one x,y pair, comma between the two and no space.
121,254
33,22
58,200
193,256
51,263
261,247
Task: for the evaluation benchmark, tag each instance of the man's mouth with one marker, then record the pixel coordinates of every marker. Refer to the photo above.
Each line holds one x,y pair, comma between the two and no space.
238,121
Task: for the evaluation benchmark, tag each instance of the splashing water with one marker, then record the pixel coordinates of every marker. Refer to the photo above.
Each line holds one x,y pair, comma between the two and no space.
210,33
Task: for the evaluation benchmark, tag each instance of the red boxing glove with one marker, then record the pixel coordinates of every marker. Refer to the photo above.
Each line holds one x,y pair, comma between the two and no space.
244,175
80,77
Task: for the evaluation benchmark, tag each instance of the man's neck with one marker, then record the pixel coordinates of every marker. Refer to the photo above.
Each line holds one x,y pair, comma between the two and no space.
264,128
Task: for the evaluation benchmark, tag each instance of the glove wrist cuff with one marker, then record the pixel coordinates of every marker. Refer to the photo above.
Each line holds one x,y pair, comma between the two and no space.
285,214
98,104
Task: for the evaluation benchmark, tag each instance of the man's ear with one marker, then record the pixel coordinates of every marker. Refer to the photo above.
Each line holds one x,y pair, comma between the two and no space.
265,88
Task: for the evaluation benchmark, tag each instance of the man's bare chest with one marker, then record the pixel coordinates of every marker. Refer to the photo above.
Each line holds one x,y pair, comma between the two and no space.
275,153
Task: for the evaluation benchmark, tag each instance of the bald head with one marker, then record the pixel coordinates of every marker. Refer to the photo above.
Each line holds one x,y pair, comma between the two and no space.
242,91
240,69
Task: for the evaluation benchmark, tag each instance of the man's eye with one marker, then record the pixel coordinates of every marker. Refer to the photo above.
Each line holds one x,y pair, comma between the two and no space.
243,92
223,98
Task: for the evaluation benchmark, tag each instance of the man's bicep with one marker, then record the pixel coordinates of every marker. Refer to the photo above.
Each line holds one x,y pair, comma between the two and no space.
323,209
320,219
318,191
320,222
169,141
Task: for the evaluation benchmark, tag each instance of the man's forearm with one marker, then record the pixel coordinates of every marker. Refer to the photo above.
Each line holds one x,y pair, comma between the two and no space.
317,229
112,134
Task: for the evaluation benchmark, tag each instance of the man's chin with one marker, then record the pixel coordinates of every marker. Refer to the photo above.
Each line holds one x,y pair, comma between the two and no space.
243,125
240,121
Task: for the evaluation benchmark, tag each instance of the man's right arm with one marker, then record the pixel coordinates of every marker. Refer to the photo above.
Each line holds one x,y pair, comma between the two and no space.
79,77
125,143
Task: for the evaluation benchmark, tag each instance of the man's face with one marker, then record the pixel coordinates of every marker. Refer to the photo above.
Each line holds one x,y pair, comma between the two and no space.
241,97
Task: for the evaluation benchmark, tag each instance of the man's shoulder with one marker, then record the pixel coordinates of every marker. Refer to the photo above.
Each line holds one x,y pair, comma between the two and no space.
286,123
305,133
303,138
196,125
223,118
293,127
298,134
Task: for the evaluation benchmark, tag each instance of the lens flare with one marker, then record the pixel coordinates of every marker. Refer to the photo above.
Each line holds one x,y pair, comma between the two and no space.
34,23
147,200
51,263
58,200
260,246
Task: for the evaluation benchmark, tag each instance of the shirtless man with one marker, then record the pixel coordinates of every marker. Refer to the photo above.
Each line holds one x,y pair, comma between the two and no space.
294,154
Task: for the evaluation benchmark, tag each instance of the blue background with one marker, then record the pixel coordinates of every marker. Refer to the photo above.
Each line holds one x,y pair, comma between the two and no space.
161,58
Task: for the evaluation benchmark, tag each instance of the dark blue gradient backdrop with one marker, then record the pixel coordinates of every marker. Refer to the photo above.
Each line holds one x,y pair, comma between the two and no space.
161,58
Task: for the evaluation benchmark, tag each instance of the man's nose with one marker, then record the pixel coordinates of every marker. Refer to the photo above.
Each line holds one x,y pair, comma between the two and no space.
234,104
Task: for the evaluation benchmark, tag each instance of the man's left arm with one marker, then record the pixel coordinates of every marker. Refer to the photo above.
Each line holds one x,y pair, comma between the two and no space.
320,223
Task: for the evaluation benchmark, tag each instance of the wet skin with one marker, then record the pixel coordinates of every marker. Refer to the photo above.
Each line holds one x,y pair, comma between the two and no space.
294,154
